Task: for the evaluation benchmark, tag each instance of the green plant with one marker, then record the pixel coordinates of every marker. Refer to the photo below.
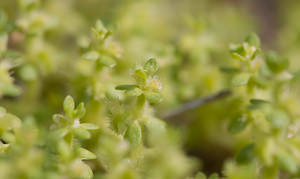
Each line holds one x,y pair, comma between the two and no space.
161,96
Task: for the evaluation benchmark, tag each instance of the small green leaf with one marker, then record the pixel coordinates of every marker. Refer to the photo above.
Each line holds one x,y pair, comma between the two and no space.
155,129
114,95
155,126
153,97
81,133
89,126
246,154
151,66
238,57
58,118
241,79
248,50
69,105
9,122
140,77
126,87
80,111
253,40
260,82
60,133
237,124
92,55
99,26
237,52
107,61
86,155
134,92
64,150
238,49
100,31
8,137
226,69
276,63
257,103
153,84
81,170
134,134
287,162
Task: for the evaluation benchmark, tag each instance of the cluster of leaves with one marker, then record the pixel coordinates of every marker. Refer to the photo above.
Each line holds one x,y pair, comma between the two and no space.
148,86
115,133
28,152
134,135
265,114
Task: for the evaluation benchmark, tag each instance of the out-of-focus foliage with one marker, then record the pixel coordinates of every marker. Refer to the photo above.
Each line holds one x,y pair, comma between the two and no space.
141,59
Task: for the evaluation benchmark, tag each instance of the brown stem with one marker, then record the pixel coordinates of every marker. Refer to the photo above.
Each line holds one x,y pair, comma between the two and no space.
194,104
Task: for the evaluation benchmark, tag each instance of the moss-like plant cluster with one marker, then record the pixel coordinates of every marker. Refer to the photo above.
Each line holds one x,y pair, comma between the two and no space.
156,89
